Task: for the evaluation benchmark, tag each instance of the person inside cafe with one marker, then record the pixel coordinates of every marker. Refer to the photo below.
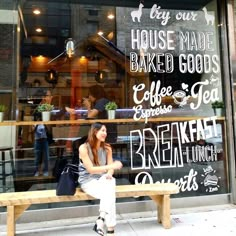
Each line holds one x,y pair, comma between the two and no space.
41,147
95,105
41,144
47,98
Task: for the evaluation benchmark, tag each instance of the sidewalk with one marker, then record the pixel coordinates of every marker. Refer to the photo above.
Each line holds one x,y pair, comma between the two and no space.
214,220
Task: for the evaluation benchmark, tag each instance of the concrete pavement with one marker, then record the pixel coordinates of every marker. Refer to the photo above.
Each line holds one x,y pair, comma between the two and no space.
213,220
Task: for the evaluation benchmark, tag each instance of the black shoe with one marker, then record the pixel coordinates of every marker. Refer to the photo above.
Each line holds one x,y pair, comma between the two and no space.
98,228
110,232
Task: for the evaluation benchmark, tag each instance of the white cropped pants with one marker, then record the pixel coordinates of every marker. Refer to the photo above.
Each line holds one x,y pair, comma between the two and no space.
104,189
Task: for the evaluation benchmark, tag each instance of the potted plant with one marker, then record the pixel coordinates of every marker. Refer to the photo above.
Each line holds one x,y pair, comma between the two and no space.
217,107
3,108
46,109
111,109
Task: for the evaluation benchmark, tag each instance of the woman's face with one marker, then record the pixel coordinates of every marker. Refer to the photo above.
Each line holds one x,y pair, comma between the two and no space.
102,134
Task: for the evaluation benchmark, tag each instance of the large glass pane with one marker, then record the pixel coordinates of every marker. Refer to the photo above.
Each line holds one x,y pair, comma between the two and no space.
161,64
176,76
8,78
232,43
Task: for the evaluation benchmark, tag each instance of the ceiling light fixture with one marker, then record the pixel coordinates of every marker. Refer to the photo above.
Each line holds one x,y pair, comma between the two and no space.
70,47
110,16
51,76
36,11
39,30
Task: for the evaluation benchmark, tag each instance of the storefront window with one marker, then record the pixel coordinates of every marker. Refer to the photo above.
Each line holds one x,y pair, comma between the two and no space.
160,63
231,39
176,76
8,68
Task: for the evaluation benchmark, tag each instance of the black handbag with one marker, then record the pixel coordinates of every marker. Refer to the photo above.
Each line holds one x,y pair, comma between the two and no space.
68,180
59,166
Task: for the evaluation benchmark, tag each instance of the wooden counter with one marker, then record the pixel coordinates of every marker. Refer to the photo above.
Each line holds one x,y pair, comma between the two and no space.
91,121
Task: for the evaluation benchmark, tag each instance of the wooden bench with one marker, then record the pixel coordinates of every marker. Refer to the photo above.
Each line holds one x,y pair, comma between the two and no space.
18,202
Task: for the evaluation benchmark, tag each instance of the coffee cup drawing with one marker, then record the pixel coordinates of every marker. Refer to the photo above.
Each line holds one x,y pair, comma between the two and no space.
180,98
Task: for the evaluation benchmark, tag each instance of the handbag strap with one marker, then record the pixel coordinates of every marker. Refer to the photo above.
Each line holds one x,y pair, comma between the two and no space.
71,167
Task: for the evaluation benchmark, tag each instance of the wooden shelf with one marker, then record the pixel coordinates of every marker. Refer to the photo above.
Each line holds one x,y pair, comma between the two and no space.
91,121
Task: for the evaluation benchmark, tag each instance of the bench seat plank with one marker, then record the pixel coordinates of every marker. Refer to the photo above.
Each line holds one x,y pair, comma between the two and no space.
18,202
49,196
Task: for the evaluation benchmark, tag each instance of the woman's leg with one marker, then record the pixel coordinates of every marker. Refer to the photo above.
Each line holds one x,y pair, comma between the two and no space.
104,189
46,155
37,153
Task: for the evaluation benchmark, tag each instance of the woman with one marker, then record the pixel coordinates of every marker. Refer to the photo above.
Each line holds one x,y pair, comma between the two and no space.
96,176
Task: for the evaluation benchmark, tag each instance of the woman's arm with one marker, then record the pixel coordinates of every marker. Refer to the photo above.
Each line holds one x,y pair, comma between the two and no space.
84,156
70,110
109,160
92,113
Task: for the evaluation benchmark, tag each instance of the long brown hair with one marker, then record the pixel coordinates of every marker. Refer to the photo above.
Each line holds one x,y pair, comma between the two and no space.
92,140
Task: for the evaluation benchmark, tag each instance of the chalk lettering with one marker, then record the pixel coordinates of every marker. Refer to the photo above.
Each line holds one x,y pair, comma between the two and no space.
203,96
156,13
190,63
152,62
201,154
163,153
186,183
152,39
198,41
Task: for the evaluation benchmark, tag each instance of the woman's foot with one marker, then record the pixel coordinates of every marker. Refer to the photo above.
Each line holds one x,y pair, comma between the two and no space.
99,226
110,232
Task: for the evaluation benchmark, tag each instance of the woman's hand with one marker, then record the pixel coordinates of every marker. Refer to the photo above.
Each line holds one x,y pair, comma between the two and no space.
108,175
116,165
87,103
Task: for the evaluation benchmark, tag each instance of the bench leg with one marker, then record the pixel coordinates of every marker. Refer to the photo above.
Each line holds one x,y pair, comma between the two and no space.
166,212
13,213
163,209
19,210
11,226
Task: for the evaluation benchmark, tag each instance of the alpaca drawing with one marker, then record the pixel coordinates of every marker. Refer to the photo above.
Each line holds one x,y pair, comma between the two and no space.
210,18
138,13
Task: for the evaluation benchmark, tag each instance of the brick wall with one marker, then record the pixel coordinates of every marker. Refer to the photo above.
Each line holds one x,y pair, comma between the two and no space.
7,56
